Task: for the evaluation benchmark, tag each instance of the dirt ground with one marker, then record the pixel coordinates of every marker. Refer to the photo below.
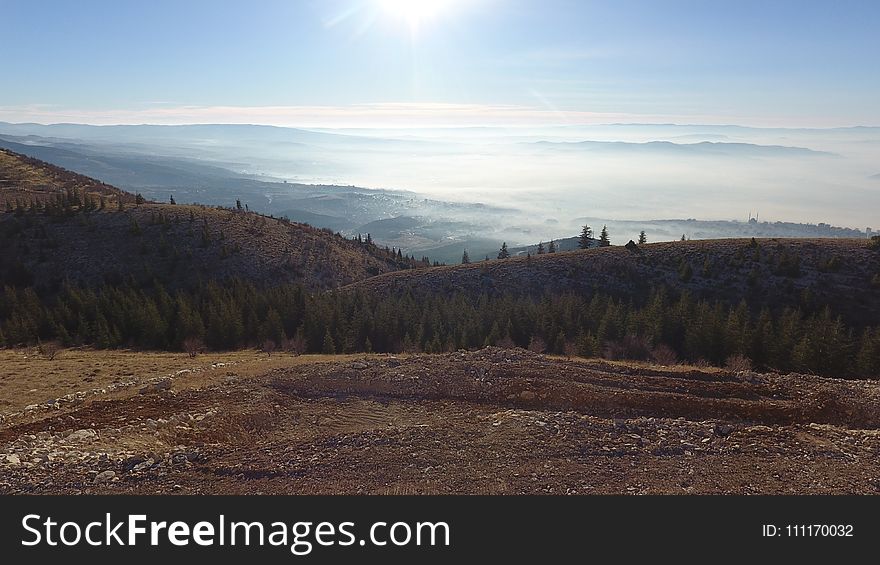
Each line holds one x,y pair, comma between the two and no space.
487,422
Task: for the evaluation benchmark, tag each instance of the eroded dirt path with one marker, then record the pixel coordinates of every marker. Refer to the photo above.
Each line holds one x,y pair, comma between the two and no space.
488,422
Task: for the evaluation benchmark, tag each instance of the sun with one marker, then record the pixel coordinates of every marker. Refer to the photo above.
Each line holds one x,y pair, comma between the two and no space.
415,12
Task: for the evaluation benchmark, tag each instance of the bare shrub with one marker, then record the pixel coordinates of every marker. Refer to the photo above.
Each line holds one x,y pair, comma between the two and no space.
738,363
295,345
193,346
631,347
664,355
49,349
701,364
506,343
537,344
570,349
269,346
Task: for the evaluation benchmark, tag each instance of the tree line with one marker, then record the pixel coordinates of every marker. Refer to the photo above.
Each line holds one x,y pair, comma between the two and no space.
662,327
585,241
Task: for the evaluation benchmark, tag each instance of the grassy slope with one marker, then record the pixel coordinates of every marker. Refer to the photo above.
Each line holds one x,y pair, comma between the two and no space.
730,270
168,242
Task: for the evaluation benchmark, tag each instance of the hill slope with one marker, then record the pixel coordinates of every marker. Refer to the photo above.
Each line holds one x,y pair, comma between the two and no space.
774,273
62,226
25,179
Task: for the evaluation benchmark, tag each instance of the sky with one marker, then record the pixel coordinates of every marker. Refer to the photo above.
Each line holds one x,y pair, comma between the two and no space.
375,63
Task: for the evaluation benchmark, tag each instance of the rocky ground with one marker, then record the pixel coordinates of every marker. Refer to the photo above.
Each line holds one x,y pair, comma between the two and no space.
488,422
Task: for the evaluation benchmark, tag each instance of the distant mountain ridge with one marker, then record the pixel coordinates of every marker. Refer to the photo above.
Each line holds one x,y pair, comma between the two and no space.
702,147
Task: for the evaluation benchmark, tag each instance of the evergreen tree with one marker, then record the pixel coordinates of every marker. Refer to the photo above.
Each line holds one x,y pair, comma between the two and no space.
552,247
586,239
643,238
503,253
465,258
541,250
329,346
172,200
685,272
604,241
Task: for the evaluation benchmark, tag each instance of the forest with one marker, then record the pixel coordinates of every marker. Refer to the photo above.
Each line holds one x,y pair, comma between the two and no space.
661,327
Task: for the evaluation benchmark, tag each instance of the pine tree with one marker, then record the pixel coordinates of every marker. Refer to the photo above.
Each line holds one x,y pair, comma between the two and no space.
643,238
328,347
138,199
465,258
685,272
172,200
683,238
541,250
552,247
238,204
586,239
604,241
503,253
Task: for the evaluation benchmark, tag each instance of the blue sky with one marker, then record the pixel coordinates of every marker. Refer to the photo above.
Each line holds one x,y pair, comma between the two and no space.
362,62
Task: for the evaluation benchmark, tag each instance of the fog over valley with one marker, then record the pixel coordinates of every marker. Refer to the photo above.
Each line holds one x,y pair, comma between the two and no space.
429,189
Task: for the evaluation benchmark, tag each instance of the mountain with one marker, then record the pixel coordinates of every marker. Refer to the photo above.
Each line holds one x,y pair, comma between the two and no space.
60,226
772,273
701,148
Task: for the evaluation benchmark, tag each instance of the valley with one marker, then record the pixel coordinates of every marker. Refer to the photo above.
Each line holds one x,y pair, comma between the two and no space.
169,348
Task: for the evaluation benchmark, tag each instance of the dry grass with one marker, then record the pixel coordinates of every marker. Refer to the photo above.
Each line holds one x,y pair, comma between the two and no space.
28,377
24,174
625,364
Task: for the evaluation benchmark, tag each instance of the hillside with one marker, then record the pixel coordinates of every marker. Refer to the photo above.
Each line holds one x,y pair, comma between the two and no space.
25,179
61,226
841,273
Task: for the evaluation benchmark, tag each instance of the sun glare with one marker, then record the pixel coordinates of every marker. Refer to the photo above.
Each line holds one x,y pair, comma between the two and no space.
415,12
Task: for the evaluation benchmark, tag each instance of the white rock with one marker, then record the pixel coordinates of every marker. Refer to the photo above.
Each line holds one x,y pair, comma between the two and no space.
105,476
82,435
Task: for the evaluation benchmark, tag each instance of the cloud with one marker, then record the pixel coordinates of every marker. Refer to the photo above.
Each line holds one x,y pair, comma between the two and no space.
391,114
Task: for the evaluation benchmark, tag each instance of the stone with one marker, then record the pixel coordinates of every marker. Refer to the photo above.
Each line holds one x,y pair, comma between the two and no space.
105,477
158,386
82,435
359,365
13,459
527,395
143,466
132,462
